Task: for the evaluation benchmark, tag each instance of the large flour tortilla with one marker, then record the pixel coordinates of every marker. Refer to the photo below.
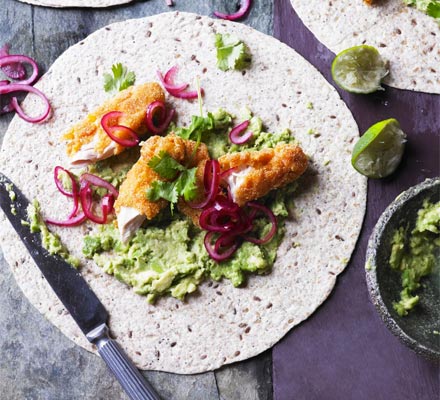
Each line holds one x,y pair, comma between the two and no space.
221,324
76,3
405,36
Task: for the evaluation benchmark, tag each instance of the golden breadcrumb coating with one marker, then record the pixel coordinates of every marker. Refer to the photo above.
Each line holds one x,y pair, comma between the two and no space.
264,170
133,102
133,191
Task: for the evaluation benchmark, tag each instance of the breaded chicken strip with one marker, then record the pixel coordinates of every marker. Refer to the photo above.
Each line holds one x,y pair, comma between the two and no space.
87,142
258,172
132,206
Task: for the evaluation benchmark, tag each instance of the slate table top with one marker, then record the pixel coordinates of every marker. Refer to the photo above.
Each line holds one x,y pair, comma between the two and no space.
343,351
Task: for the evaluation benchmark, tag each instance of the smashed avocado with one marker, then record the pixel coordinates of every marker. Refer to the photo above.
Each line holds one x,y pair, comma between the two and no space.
50,241
167,256
416,255
172,260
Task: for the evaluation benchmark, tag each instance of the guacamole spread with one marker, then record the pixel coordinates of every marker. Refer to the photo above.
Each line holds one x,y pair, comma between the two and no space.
50,241
167,256
416,255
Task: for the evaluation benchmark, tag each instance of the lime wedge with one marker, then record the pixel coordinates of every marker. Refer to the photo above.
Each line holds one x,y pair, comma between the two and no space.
359,69
379,150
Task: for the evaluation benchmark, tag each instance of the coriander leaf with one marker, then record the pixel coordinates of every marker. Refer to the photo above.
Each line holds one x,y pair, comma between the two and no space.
198,126
186,184
165,165
163,190
429,7
433,10
231,52
121,79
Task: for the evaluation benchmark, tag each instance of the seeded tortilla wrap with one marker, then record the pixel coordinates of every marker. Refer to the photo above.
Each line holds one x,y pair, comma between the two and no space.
76,3
406,37
220,324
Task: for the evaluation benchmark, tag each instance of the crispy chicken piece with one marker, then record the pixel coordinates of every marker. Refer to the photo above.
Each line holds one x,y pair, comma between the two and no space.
369,2
87,142
132,206
258,172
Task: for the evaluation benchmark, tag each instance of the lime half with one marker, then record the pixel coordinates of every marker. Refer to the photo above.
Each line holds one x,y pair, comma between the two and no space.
359,69
379,150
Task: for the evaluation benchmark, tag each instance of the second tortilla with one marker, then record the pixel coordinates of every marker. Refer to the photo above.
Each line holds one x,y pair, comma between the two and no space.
76,3
406,37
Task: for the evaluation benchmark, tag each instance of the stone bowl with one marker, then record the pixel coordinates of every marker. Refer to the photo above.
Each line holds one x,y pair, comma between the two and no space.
420,329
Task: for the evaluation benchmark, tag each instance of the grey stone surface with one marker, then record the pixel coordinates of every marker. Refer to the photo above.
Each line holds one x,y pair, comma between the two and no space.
36,360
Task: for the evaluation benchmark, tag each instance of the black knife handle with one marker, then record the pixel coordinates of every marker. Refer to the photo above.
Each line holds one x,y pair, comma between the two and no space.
122,367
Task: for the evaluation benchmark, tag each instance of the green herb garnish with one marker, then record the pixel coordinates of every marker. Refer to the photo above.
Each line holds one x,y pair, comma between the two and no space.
168,168
121,79
232,53
429,7
165,165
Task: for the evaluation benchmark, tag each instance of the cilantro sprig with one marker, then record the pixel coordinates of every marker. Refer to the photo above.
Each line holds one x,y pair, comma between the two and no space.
232,53
430,7
183,182
120,80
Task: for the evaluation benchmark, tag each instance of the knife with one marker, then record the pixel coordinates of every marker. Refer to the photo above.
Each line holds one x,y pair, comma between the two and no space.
73,291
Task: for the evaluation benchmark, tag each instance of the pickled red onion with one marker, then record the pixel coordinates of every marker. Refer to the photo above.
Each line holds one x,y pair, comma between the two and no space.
211,179
164,119
111,129
244,8
85,197
19,87
107,201
177,90
6,61
235,134
13,70
73,219
272,219
214,251
97,181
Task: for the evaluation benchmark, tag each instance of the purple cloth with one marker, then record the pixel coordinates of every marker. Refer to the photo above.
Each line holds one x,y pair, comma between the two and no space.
344,351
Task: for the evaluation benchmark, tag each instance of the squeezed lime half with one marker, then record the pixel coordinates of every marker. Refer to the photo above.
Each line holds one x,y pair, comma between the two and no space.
379,150
359,69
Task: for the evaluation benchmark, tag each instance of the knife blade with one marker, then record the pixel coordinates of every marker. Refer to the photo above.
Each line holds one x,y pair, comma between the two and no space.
75,294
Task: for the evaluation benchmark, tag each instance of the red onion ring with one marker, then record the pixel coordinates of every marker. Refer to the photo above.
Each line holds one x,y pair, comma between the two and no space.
177,90
168,80
153,108
19,87
59,185
212,168
271,217
71,221
210,220
4,82
219,243
235,134
110,130
186,95
13,70
85,196
244,8
12,60
97,181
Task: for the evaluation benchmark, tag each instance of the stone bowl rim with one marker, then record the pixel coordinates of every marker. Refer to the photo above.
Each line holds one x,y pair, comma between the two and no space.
371,273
